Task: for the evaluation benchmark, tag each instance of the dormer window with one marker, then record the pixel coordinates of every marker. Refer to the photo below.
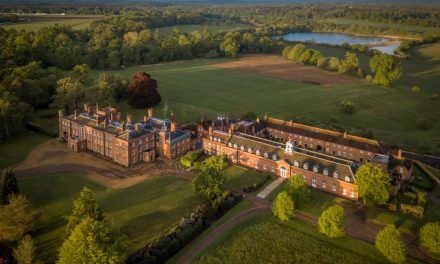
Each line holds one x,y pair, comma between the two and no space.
235,146
242,148
306,166
257,152
229,144
250,150
347,179
325,172
266,155
315,168
274,157
210,137
296,163
336,174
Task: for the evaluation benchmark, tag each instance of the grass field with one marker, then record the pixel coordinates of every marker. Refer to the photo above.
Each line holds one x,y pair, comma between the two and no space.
409,28
405,223
37,23
16,149
201,27
240,177
142,212
266,240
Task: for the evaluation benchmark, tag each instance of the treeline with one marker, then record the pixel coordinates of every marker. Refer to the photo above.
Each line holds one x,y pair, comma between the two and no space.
11,18
385,69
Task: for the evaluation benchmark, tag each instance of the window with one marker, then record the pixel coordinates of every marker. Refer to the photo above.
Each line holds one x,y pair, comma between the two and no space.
256,165
306,166
241,158
313,182
347,179
334,187
274,157
250,150
305,178
344,192
257,152
315,168
335,174
325,172
242,147
266,155
296,163
235,146
352,194
273,169
324,185
264,167
229,144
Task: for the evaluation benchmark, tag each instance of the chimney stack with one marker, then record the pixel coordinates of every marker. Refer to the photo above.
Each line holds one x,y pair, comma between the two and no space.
150,112
128,119
97,108
399,154
136,126
173,127
76,113
86,108
258,120
345,134
145,119
210,130
105,123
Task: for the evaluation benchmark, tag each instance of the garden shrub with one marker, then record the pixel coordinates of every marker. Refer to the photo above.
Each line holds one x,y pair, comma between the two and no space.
415,210
430,237
347,106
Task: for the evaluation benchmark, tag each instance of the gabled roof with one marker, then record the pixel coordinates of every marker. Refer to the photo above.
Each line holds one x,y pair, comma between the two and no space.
325,135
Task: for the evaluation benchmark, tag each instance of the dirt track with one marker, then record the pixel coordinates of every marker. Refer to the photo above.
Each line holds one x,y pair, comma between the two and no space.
277,66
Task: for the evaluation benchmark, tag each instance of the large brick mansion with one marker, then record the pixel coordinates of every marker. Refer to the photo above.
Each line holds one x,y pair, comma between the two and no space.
327,159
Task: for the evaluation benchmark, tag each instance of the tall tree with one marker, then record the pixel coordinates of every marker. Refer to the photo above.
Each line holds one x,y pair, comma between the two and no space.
429,237
208,183
16,218
331,221
8,185
350,63
25,251
390,244
93,242
14,115
230,47
142,91
69,93
85,206
385,68
283,206
299,190
373,183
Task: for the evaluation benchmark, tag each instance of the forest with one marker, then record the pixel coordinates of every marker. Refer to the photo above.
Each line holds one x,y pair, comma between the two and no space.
33,63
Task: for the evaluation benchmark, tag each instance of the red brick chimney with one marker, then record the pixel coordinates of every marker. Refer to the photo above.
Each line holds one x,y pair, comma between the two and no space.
136,126
210,130
105,123
173,126
128,119
145,119
76,113
150,112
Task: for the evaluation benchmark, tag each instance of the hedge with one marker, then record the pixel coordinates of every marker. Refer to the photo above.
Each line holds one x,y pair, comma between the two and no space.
181,234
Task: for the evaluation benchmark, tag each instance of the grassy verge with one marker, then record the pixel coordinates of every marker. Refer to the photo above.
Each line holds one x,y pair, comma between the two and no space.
240,177
264,239
16,149
141,212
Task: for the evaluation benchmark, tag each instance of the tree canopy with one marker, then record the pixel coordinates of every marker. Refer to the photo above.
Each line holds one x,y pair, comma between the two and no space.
8,185
331,221
373,183
390,244
298,189
429,237
93,241
208,183
142,91
24,253
84,207
16,218
283,206
385,68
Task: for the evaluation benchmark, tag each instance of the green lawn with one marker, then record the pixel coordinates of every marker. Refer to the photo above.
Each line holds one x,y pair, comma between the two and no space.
319,200
264,239
37,24
242,206
16,149
201,27
240,177
404,222
142,212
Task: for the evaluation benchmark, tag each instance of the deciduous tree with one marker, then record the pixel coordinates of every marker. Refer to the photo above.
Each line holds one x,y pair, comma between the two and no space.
142,91
373,183
230,47
16,218
69,94
390,244
385,68
208,183
283,206
298,190
331,221
429,237
25,251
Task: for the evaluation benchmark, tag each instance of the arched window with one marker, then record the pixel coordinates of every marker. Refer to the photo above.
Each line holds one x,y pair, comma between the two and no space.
315,168
257,152
274,157
296,163
347,178
335,174
266,155
306,165
242,147
325,172
250,150
235,146
229,144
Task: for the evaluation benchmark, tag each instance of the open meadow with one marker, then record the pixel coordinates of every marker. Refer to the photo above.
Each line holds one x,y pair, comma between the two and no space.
37,22
141,212
195,89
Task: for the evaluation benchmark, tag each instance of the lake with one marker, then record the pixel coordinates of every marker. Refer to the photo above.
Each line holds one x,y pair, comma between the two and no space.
338,39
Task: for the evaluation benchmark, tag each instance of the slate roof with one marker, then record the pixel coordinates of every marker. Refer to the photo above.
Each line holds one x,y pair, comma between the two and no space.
301,156
325,135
